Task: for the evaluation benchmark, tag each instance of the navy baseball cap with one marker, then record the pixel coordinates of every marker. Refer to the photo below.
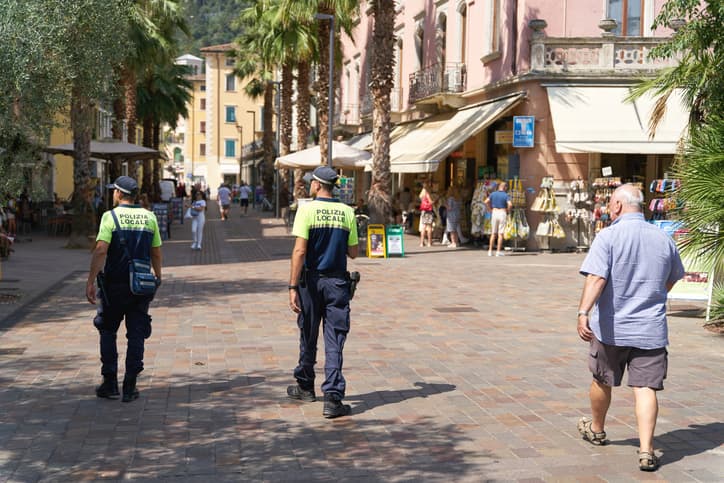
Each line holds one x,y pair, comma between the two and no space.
325,174
124,184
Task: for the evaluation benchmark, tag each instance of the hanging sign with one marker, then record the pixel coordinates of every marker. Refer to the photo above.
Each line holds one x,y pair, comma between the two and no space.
607,171
395,240
523,131
376,241
503,137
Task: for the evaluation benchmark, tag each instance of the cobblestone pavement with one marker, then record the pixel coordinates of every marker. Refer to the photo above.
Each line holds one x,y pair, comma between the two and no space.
460,367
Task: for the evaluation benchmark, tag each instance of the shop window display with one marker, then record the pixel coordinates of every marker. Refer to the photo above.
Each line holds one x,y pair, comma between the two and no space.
665,204
545,202
578,215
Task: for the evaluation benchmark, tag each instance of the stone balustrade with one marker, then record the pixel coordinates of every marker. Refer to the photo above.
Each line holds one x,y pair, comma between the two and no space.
594,55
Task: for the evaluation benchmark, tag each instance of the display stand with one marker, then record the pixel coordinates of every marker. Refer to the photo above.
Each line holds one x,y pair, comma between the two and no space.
161,211
517,226
579,215
376,242
664,205
546,203
603,188
395,240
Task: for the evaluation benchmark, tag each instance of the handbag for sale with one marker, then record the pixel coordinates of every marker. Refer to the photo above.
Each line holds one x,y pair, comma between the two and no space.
141,280
543,228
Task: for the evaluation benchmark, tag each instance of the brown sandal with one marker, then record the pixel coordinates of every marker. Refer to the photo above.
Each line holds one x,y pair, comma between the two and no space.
584,427
648,461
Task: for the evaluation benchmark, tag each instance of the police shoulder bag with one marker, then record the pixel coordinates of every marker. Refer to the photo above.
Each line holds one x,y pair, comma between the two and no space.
142,281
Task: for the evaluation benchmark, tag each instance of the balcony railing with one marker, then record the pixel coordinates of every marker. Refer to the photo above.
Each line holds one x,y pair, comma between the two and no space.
450,78
596,56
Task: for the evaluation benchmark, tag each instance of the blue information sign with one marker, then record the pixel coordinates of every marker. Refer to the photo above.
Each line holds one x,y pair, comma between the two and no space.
523,131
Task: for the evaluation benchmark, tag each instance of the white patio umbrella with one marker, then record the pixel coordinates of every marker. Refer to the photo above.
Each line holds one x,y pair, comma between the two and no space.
343,156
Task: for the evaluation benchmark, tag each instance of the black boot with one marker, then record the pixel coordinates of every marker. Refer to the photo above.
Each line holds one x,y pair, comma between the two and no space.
333,407
109,388
130,392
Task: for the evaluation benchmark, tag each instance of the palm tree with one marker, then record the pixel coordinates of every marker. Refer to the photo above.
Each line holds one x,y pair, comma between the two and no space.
344,12
153,28
293,44
696,44
382,81
162,97
255,60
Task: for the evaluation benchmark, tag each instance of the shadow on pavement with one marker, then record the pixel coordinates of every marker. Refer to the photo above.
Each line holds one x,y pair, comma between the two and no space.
371,400
224,425
693,440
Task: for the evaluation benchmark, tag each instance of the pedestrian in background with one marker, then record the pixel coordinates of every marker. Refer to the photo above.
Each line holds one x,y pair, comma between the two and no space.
244,193
319,289
629,269
427,216
137,229
499,202
452,203
198,220
224,197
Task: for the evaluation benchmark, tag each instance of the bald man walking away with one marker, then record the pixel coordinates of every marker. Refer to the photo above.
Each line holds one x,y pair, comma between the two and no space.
629,270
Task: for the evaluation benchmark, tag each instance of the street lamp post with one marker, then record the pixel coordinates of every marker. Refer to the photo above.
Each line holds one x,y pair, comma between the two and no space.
278,85
330,93
253,139
240,128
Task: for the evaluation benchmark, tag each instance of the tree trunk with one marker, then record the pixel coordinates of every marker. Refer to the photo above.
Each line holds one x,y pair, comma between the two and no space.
323,83
147,169
285,136
129,87
119,113
81,121
268,139
303,103
156,165
379,198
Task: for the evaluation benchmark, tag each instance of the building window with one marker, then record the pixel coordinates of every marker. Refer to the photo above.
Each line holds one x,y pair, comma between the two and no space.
230,148
230,62
202,104
202,88
202,127
202,149
230,113
627,14
230,82
419,45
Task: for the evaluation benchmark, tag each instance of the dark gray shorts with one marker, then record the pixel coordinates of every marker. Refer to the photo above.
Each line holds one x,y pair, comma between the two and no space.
646,367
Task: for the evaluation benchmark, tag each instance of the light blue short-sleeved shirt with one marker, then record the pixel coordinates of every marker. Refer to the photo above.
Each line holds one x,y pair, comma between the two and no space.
637,259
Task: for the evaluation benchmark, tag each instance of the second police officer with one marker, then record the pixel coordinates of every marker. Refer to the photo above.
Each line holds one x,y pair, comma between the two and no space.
319,289
137,229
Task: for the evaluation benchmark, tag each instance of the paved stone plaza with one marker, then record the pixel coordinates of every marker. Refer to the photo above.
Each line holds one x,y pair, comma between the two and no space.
460,367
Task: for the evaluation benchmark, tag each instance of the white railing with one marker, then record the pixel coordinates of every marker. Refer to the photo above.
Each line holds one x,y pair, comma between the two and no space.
596,55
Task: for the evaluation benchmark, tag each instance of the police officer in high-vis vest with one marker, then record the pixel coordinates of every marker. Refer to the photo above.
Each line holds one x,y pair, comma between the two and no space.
110,265
319,289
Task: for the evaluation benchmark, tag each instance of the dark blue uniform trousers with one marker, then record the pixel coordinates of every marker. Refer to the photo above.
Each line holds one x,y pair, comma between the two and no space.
324,300
122,303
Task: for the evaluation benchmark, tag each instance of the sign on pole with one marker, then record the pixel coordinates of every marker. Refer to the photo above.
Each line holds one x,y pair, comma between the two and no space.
523,131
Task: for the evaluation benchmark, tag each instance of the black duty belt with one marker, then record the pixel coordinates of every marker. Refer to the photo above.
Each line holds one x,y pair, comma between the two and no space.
328,273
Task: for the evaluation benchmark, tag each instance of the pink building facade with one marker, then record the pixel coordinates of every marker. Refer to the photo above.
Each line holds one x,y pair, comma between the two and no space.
469,67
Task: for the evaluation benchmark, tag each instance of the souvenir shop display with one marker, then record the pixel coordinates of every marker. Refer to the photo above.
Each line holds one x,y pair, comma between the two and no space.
664,204
516,226
177,208
603,188
345,190
545,202
579,212
161,211
480,216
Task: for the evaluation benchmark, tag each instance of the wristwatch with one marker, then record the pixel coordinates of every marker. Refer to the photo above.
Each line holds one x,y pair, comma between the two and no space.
583,312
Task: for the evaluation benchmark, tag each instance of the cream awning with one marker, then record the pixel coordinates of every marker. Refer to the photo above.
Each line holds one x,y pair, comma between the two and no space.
599,120
418,147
